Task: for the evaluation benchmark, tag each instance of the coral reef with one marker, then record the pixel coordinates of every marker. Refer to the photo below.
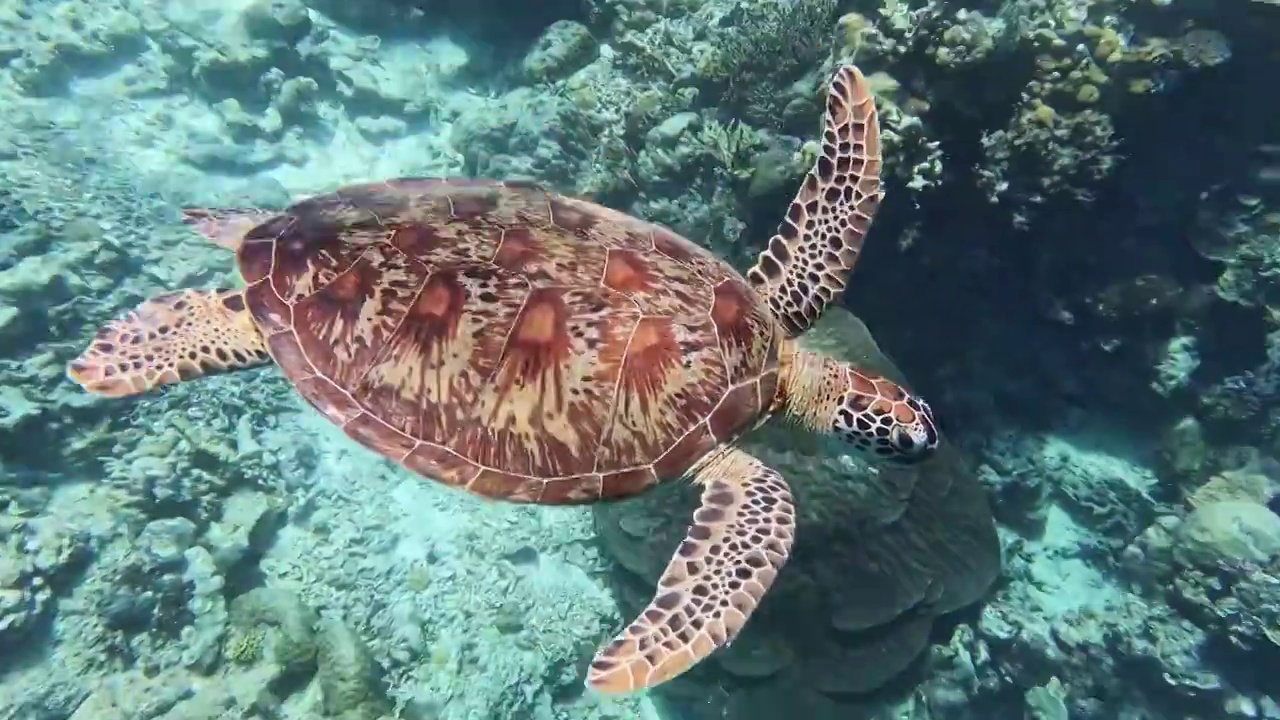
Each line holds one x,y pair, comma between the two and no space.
1074,261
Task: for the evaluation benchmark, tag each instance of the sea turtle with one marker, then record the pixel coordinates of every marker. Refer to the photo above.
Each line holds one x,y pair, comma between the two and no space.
538,348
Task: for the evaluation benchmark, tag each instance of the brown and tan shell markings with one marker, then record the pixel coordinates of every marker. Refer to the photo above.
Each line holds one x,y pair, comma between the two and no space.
511,341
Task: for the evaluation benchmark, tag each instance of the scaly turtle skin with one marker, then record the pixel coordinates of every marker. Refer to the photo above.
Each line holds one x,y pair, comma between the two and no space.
538,348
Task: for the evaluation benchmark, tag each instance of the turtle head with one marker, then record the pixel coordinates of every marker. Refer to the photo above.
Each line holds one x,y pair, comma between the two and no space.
882,419
885,422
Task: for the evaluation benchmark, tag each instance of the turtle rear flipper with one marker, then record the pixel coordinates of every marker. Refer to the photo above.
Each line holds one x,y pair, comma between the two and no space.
170,338
807,263
740,538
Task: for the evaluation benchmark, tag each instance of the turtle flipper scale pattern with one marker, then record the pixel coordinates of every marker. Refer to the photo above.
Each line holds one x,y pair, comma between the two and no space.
170,338
806,264
740,538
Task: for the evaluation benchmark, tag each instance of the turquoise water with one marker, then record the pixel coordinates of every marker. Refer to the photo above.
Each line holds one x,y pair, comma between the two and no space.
1072,265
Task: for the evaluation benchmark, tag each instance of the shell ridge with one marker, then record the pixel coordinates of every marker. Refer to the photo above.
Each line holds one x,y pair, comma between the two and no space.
728,393
613,398
694,270
352,200
318,288
724,356
502,238
467,416
551,213
271,266
725,393
693,427
388,345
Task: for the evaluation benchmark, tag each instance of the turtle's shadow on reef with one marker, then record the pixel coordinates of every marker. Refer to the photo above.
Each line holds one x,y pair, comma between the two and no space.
28,648
890,557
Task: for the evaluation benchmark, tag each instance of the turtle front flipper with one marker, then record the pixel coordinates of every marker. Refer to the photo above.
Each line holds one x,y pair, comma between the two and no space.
740,538
807,263
225,226
170,338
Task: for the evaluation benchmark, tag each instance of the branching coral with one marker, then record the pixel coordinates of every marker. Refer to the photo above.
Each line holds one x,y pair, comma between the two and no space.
1088,62
732,146
773,44
1043,154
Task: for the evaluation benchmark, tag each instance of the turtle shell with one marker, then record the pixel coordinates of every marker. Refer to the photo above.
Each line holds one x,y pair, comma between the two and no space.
515,342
